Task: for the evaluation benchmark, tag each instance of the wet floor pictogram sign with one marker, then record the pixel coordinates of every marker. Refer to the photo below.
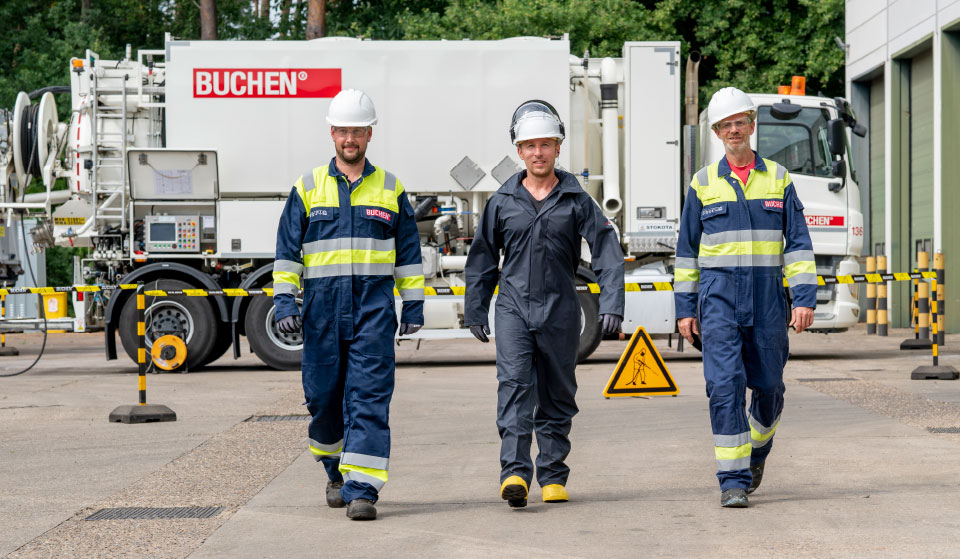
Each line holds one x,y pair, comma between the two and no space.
641,371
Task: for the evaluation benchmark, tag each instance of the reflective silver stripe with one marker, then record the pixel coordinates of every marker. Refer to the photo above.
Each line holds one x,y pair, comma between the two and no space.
735,260
308,182
282,287
738,464
389,181
363,478
764,235
731,441
703,176
355,269
348,243
760,428
798,256
413,294
802,279
287,266
408,271
781,172
686,286
365,461
686,263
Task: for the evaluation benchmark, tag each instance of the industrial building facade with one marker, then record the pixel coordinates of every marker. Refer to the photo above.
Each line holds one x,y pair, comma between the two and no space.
903,78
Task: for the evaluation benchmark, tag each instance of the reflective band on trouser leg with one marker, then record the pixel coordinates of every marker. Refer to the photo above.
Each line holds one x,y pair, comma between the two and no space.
320,450
364,468
760,435
732,451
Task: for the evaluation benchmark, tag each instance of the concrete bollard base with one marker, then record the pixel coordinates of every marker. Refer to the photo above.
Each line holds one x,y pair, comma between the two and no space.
935,372
150,413
914,343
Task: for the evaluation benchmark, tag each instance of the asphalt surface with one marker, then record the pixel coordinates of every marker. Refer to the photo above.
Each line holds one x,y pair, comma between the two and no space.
855,469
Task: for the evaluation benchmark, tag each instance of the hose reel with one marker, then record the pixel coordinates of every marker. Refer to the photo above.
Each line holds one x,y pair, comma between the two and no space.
34,136
169,352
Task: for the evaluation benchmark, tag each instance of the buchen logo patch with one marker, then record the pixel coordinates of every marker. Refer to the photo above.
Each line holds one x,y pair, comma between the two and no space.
773,204
379,214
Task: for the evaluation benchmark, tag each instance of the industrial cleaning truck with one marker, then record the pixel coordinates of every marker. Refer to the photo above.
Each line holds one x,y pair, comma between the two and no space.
177,163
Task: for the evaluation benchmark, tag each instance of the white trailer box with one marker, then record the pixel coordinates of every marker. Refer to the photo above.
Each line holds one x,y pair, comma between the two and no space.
262,105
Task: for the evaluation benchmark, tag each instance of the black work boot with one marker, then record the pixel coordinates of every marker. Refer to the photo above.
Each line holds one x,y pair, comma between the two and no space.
735,498
361,509
757,473
334,500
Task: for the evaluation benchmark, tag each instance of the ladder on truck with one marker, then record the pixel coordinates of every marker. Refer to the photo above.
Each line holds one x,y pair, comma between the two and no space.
109,193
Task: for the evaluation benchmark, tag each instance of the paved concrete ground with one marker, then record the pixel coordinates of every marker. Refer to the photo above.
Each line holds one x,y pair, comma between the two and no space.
854,471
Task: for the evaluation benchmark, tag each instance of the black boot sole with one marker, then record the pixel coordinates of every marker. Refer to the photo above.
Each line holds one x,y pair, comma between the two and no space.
515,496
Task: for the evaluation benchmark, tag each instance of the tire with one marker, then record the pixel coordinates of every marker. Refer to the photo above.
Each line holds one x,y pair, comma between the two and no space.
590,333
279,351
195,315
221,345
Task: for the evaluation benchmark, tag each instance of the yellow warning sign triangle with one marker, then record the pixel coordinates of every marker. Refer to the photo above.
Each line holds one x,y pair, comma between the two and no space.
641,371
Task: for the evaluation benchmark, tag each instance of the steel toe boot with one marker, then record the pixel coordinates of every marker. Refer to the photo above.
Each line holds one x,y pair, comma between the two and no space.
554,493
735,498
514,491
757,473
334,500
361,509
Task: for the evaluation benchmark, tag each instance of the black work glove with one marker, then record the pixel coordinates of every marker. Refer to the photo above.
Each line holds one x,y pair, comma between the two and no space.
480,333
289,324
406,328
611,323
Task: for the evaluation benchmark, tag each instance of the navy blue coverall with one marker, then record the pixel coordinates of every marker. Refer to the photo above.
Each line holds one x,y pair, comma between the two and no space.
737,243
537,316
352,242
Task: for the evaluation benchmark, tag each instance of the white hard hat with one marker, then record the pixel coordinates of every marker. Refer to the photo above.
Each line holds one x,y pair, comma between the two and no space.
727,102
352,107
535,119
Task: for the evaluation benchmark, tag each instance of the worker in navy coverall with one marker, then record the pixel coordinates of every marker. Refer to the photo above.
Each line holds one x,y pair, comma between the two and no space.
537,220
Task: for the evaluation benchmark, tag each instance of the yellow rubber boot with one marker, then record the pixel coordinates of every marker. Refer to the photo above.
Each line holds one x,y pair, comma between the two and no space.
554,493
514,491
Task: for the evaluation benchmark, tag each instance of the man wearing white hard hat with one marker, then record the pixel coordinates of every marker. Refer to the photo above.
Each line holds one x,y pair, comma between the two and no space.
537,219
348,229
742,232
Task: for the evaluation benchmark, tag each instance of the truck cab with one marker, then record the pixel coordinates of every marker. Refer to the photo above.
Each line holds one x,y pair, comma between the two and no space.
808,136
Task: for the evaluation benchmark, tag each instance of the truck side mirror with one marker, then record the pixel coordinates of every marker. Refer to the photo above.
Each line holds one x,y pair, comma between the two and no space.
839,168
835,136
860,130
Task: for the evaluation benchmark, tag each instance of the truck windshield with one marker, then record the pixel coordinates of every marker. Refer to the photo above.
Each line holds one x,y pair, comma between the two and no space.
799,144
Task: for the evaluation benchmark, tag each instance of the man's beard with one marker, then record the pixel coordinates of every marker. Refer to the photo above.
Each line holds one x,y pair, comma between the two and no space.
361,153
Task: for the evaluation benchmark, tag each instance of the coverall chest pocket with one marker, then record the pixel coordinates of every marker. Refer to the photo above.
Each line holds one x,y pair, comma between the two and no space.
322,223
713,217
375,222
561,229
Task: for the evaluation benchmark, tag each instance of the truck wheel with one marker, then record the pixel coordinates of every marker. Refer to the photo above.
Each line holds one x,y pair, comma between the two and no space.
589,325
193,316
280,351
223,343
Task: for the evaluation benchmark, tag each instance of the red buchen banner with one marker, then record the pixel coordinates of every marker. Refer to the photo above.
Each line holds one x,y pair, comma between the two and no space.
266,82
824,220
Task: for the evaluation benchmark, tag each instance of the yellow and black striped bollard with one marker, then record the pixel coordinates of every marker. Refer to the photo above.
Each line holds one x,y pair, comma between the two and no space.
142,413
941,271
4,350
871,297
921,308
882,319
937,371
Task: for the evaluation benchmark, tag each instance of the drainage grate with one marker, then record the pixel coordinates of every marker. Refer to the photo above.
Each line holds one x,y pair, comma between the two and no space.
825,379
152,513
280,418
944,429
